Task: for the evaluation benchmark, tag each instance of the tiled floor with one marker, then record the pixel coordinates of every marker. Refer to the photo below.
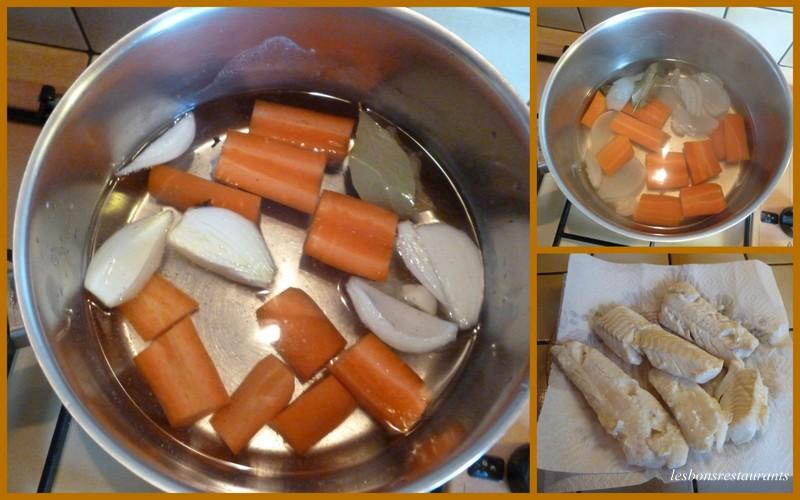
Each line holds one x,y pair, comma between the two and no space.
551,271
33,408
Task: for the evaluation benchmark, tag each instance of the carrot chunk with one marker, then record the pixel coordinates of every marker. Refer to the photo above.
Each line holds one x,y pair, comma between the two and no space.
157,307
653,113
639,132
308,339
702,199
666,172
182,191
181,375
384,386
701,160
352,235
718,141
263,393
615,154
658,210
277,171
735,138
314,414
302,128
596,108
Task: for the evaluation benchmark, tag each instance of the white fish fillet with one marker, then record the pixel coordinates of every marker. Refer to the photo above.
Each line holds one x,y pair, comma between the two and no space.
677,356
743,394
692,317
648,434
619,328
699,416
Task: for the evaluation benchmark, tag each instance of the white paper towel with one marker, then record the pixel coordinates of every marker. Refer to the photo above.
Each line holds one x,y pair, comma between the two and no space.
569,437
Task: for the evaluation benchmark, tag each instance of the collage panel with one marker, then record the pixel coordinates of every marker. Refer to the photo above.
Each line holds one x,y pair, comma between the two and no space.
268,249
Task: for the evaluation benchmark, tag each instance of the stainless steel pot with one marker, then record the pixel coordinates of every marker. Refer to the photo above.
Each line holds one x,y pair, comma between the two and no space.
756,85
417,75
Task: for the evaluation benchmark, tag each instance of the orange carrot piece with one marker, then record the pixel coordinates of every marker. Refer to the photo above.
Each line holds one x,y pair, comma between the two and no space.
352,235
277,171
314,414
701,160
263,393
182,191
658,210
639,132
653,113
182,376
597,107
702,199
667,172
308,339
302,128
615,154
384,386
157,307
718,141
735,138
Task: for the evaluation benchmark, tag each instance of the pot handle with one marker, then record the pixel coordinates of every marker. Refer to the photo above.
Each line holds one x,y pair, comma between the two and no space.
16,328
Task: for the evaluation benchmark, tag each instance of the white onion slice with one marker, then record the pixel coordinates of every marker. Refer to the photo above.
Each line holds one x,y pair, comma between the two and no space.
168,146
448,263
124,263
627,182
419,297
715,100
399,325
669,96
601,133
593,171
620,93
684,123
691,96
626,206
225,243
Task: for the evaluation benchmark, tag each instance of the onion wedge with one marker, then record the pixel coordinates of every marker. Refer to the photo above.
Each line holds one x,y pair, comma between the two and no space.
449,264
401,326
126,261
225,243
168,146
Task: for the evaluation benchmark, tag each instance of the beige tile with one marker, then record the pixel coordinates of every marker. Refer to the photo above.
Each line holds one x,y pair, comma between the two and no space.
551,42
85,467
772,29
552,262
548,299
714,11
652,486
32,412
595,15
705,258
106,25
45,65
783,276
581,225
53,26
787,59
21,139
541,374
634,258
771,258
566,18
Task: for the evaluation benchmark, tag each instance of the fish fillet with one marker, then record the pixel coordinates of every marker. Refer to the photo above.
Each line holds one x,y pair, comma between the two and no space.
743,394
687,313
699,416
677,356
618,328
648,434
